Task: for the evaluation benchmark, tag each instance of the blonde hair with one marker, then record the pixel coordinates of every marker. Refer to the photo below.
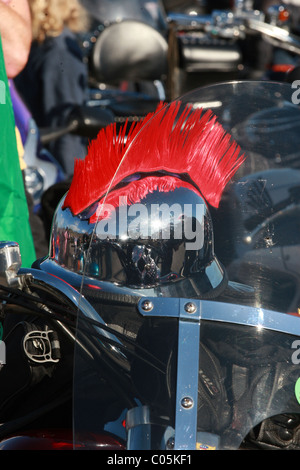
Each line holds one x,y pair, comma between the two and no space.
49,17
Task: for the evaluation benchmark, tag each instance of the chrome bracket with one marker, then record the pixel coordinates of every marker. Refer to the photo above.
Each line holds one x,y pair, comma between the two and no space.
189,314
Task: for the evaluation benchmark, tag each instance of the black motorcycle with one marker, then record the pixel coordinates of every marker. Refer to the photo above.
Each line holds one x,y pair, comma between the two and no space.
163,316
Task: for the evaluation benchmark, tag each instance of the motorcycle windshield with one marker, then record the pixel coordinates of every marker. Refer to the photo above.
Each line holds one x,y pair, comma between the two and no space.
189,339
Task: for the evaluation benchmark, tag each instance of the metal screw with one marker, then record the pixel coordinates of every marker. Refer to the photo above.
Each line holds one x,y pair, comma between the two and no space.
187,402
147,305
190,307
170,443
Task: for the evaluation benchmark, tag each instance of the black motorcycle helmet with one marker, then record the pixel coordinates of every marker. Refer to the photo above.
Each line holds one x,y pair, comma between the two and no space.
147,225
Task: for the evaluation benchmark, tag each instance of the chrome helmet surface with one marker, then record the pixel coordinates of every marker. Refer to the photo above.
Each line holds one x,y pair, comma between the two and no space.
137,212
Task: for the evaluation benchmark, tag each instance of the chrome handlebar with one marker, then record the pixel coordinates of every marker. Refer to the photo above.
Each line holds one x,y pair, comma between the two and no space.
238,24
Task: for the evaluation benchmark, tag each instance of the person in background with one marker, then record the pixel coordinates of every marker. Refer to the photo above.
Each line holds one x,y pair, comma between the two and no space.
55,77
15,30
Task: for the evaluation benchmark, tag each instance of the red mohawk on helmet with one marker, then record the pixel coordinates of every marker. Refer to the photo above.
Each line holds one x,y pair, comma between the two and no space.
169,148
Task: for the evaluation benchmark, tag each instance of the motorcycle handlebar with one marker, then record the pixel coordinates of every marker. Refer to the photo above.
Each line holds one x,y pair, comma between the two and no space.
277,36
237,25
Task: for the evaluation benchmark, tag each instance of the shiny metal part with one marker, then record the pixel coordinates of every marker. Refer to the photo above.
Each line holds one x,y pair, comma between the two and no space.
10,263
187,402
190,307
147,305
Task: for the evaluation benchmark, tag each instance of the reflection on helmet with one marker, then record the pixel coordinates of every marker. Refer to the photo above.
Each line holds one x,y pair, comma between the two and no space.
165,238
145,223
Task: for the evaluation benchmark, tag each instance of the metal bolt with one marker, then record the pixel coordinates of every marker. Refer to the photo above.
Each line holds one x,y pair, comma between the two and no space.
190,307
170,443
147,305
187,402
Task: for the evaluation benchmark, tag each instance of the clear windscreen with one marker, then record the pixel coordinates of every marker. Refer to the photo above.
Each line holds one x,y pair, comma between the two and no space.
150,375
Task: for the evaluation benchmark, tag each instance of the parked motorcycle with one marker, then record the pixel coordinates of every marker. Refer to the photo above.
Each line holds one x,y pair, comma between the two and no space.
189,47
225,44
130,334
140,44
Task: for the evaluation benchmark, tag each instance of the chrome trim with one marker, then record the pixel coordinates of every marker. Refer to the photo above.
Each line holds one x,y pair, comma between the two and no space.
10,263
225,312
275,35
138,426
187,377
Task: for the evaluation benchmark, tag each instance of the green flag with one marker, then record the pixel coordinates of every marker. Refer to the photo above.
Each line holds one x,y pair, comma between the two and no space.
14,216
